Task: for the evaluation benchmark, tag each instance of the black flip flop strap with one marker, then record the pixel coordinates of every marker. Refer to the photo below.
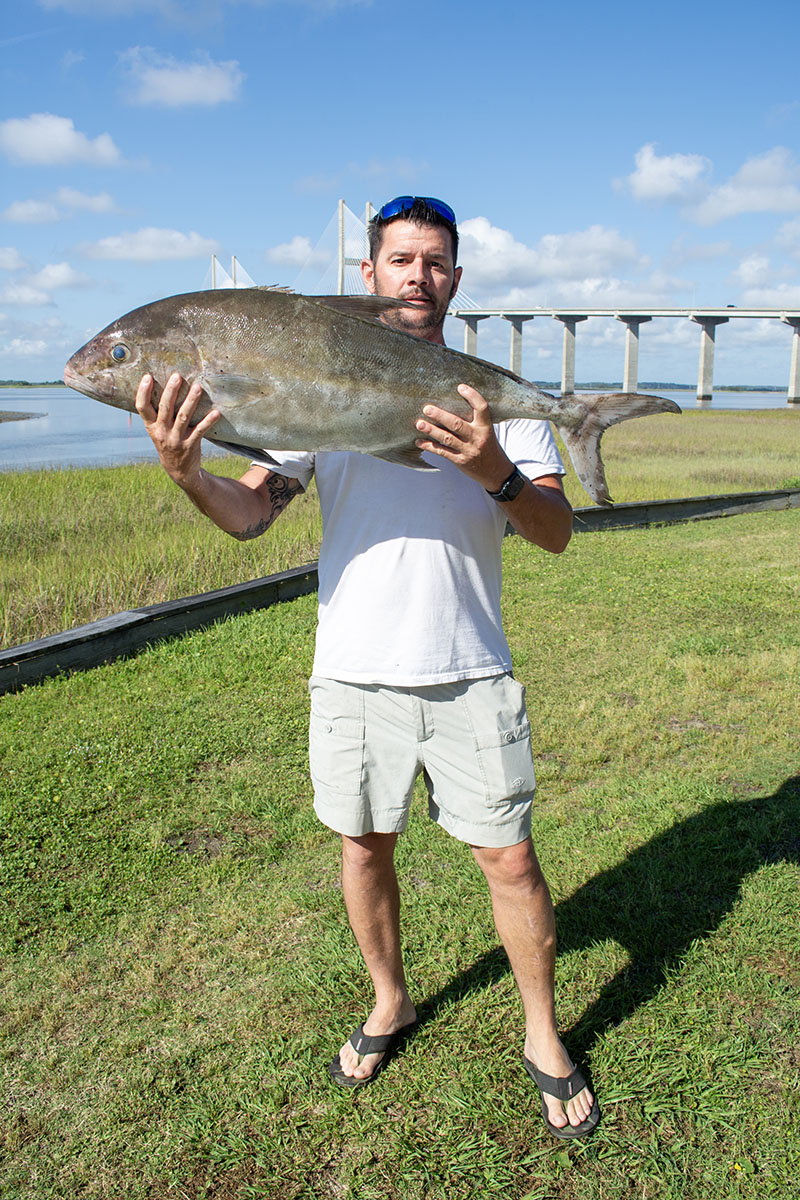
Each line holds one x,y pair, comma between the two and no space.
562,1089
362,1043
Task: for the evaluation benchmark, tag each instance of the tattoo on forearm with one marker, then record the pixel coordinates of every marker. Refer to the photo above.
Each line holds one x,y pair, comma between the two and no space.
281,491
252,531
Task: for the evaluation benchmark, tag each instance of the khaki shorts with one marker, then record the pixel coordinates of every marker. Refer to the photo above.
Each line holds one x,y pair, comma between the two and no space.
470,739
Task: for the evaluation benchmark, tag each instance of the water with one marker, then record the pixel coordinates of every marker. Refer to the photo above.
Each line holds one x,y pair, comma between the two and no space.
70,430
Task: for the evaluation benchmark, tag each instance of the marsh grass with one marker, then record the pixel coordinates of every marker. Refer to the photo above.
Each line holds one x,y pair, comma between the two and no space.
79,545
698,453
177,969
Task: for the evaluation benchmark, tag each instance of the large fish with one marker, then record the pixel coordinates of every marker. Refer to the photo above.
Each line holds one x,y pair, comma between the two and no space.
291,372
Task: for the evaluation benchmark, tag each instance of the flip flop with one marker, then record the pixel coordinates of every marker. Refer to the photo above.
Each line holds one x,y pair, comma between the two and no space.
563,1089
363,1044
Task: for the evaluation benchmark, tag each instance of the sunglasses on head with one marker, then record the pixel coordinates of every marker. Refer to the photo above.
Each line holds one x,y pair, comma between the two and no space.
403,203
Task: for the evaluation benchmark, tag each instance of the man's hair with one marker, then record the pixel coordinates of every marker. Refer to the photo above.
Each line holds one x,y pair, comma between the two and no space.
420,213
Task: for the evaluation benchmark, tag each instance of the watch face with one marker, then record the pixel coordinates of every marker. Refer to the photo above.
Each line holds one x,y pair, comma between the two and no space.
512,489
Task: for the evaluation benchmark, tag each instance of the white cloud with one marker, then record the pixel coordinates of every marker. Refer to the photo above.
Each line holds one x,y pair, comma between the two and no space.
163,81
492,256
31,212
59,275
79,201
590,251
25,348
72,58
64,203
781,295
769,182
666,177
299,253
669,333
152,245
763,333
24,295
44,139
587,260
11,259
754,271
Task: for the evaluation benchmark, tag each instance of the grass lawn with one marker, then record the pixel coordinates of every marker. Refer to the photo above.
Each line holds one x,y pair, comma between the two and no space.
177,970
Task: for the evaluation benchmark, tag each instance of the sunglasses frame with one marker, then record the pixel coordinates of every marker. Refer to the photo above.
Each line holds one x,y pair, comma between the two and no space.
401,204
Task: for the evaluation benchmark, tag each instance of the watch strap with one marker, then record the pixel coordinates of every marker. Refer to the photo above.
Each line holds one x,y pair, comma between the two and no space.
511,488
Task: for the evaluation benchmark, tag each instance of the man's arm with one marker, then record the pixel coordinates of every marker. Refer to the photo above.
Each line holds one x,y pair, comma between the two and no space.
243,507
541,512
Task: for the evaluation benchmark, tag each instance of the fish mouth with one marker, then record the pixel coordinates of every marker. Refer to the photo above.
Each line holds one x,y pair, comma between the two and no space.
98,388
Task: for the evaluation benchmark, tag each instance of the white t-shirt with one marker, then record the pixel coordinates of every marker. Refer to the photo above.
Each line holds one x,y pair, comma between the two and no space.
410,565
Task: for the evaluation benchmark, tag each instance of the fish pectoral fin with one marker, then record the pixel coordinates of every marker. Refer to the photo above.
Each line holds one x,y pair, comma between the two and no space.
262,457
411,457
369,308
221,387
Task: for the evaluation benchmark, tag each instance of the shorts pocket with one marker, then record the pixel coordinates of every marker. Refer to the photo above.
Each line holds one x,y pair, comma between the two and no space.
336,739
506,764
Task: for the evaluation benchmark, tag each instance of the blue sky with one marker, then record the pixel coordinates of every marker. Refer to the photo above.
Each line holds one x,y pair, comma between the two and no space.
599,155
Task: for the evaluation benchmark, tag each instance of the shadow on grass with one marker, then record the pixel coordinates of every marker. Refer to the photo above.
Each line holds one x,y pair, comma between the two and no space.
671,891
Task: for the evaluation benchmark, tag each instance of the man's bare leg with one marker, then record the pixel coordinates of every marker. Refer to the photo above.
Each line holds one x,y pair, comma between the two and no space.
523,914
372,897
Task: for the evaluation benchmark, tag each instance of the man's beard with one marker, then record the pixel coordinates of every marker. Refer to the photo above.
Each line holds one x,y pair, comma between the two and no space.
420,321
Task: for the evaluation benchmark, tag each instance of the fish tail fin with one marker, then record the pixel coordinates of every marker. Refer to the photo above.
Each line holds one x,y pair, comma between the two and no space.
600,412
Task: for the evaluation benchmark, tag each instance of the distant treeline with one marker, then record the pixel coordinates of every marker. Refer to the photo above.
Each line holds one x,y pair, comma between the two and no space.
28,383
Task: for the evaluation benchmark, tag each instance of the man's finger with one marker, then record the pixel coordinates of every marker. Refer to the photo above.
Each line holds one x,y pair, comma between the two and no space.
189,403
143,401
199,430
441,418
475,400
166,405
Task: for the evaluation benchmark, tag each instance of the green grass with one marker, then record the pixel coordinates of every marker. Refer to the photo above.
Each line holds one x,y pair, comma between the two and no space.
699,452
178,970
79,545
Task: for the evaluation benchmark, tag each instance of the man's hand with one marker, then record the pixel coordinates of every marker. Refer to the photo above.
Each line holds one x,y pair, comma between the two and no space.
541,512
168,423
469,442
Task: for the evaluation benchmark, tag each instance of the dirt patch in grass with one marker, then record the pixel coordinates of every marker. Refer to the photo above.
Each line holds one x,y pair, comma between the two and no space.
196,841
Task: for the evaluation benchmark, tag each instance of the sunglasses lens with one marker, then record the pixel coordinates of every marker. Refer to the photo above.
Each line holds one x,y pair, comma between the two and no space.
404,203
400,204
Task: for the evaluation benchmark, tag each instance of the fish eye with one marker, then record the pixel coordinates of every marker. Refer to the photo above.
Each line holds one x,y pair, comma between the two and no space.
120,352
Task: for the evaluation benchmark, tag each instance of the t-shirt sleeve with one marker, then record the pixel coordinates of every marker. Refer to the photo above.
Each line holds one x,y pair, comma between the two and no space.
531,446
294,464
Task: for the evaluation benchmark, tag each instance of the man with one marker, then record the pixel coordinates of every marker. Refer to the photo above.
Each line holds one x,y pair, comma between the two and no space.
416,679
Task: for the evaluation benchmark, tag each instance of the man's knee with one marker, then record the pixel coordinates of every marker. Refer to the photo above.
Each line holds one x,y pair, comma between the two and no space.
369,850
512,866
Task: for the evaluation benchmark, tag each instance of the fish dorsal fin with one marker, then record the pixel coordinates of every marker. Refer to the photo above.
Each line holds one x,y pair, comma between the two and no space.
367,307
273,287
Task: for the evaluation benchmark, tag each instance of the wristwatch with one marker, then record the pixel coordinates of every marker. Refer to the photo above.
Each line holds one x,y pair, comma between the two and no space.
510,489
